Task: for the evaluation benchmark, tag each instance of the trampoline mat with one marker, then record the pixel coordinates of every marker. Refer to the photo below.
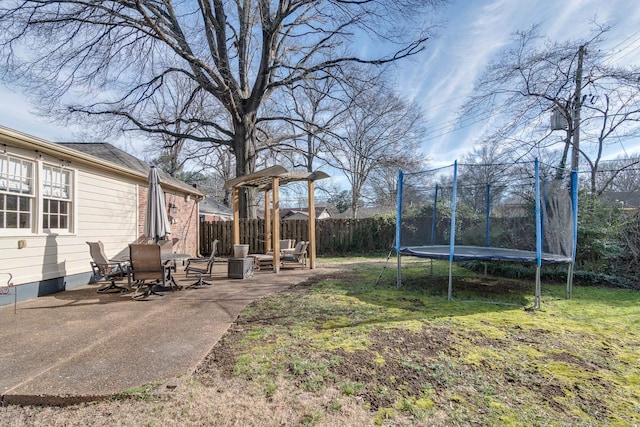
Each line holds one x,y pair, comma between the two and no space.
466,253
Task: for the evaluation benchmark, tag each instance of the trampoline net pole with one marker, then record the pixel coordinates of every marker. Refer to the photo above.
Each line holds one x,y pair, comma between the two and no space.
399,273
574,217
452,238
398,228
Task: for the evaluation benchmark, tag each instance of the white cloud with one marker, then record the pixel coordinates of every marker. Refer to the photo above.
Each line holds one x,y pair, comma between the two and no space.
475,33
16,113
442,77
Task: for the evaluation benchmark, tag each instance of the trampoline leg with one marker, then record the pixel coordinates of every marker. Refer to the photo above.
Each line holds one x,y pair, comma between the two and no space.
399,273
569,281
450,293
538,289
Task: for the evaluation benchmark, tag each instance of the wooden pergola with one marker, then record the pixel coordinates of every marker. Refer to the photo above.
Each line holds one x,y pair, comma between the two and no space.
270,180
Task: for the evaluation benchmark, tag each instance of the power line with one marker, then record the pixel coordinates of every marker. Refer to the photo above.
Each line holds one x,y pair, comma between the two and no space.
634,41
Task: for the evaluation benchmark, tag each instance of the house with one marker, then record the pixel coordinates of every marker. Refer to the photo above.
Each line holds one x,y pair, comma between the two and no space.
56,197
213,210
366,212
625,200
303,213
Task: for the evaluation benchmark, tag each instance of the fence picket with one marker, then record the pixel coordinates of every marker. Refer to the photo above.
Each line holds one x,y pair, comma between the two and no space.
333,236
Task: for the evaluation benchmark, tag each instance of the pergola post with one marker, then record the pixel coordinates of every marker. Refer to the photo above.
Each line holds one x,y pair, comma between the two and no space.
312,226
270,179
267,223
236,215
275,188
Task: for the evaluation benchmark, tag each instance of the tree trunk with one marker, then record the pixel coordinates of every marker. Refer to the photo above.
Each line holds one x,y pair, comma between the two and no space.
561,172
355,196
245,155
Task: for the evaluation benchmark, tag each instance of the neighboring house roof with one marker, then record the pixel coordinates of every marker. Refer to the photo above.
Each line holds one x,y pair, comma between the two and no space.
628,199
109,153
303,213
365,212
210,206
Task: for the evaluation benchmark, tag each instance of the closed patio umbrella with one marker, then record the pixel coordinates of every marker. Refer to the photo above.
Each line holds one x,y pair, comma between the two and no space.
156,223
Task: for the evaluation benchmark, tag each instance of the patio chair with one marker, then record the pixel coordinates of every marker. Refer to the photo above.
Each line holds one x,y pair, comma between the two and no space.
8,289
201,266
297,258
147,269
266,260
167,247
103,269
285,245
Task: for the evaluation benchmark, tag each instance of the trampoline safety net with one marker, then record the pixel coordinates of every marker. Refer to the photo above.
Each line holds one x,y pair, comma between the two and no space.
517,211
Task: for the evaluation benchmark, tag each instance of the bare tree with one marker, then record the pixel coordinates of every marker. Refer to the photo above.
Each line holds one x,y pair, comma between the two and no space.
111,59
312,110
597,102
174,149
622,175
383,183
484,173
378,126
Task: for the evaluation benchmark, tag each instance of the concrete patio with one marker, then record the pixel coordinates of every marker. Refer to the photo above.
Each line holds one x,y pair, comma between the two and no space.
79,345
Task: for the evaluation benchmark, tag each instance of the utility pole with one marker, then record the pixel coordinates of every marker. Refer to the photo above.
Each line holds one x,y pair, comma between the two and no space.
577,104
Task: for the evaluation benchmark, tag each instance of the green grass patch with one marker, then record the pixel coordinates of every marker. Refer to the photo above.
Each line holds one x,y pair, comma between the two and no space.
485,358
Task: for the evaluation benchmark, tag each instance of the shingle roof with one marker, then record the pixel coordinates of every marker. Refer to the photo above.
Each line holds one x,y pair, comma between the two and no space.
211,206
286,212
110,153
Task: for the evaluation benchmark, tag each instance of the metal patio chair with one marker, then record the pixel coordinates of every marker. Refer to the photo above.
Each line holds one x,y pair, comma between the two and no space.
103,269
147,269
201,266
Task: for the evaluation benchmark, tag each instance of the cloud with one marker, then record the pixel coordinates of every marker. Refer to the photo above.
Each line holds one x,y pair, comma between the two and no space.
15,113
442,77
476,32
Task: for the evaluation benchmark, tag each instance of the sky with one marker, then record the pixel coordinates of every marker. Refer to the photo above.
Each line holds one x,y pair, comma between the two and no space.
442,76
474,32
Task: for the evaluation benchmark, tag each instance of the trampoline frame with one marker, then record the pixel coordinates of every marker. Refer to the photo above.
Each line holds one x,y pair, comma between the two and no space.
453,253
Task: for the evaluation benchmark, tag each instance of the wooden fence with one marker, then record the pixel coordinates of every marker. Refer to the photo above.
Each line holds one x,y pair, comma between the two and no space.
333,236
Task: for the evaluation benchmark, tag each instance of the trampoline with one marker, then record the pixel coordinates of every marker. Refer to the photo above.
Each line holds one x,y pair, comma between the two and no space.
489,212
468,253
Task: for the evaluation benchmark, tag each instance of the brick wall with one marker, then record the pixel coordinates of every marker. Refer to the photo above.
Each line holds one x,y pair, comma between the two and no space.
183,219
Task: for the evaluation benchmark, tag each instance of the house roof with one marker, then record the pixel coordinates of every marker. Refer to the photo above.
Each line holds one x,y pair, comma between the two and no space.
96,155
284,213
629,199
108,152
211,206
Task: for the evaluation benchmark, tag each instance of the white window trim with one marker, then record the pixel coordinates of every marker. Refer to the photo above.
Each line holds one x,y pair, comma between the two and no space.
70,230
34,196
37,214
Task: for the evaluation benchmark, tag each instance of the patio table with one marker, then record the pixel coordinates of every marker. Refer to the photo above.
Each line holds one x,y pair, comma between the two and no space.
166,257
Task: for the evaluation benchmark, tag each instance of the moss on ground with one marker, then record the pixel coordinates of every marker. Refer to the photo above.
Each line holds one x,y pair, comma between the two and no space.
410,354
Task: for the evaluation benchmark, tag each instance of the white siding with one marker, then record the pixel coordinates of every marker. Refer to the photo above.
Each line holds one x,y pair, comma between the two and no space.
105,207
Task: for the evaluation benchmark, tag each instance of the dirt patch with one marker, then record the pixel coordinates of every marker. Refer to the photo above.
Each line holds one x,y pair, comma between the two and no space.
396,361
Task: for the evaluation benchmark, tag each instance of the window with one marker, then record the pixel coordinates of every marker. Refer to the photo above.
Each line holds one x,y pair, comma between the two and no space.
16,193
56,197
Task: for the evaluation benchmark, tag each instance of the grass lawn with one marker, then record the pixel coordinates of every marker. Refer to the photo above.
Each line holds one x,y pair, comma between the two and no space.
349,349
